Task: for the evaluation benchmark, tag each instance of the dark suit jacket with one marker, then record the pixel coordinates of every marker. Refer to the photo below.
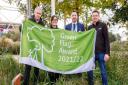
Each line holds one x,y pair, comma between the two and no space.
80,27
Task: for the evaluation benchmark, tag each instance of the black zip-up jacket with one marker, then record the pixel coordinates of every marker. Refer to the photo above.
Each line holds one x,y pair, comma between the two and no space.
40,21
33,19
102,39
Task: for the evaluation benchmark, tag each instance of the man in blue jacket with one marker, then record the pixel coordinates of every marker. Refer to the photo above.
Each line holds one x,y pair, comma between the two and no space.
75,25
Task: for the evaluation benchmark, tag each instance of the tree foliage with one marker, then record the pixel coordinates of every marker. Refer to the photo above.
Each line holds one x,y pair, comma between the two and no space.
121,13
112,37
83,7
67,6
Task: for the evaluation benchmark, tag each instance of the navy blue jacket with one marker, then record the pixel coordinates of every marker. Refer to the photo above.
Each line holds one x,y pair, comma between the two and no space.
80,27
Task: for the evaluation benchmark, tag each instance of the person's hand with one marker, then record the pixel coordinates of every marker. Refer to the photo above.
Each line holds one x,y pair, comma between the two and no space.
106,57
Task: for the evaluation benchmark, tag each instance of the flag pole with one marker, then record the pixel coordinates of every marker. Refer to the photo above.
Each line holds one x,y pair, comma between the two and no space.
28,8
52,7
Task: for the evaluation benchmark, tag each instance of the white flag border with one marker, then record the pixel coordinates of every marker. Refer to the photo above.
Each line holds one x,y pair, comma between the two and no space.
89,65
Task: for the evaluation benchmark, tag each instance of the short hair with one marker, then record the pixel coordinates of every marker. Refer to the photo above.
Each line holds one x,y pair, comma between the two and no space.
96,11
74,11
38,8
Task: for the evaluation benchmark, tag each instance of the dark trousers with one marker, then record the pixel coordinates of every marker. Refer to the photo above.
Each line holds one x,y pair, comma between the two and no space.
27,75
100,58
90,78
53,77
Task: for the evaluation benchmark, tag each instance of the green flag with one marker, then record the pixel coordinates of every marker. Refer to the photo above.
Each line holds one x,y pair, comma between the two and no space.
57,50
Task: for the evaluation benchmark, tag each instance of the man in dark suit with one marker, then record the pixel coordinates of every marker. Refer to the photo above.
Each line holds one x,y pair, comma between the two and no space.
75,25
36,18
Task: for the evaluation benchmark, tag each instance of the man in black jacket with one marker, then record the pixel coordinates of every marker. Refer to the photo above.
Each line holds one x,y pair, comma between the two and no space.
102,46
36,18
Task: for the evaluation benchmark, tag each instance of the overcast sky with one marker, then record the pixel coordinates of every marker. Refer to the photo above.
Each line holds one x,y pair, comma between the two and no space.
9,13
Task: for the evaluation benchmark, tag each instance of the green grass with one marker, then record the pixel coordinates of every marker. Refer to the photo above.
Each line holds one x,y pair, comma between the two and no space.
8,69
117,69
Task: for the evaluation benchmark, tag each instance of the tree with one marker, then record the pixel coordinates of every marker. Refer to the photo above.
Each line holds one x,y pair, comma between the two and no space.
112,37
118,37
83,7
120,13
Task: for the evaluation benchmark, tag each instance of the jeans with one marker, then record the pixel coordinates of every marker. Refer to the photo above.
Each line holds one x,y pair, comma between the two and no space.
100,58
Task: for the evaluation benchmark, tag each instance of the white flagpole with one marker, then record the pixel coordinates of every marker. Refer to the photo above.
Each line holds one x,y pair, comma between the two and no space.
52,7
28,8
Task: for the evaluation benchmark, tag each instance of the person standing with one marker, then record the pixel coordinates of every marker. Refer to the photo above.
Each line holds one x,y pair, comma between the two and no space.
102,47
54,22
35,18
53,76
75,26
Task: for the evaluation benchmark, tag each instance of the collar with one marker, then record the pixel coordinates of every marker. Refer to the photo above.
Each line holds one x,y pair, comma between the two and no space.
96,23
74,23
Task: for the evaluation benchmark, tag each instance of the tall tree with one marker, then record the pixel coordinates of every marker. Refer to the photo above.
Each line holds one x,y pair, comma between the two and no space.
121,13
64,9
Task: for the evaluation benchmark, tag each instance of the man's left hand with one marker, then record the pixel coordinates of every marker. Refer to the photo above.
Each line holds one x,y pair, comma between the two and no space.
106,57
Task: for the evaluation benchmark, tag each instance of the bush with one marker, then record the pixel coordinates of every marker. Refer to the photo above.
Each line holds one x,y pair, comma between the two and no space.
16,47
116,69
13,34
10,43
5,44
8,69
119,46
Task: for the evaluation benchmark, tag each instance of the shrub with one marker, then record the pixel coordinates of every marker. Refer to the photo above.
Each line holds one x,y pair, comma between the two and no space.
8,69
116,69
119,46
10,43
16,47
5,44
14,34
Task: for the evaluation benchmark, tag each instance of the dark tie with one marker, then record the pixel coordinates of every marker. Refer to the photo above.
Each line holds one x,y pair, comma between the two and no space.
74,27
